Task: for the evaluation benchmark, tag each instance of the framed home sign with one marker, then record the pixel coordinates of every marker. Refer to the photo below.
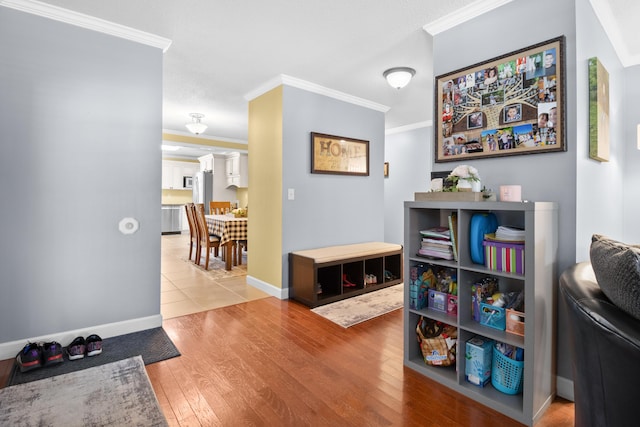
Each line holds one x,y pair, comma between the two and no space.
338,155
509,105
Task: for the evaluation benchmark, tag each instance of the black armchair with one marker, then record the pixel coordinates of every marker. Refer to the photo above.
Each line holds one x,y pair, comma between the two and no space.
606,352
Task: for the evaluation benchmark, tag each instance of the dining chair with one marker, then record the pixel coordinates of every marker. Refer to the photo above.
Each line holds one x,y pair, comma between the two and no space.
219,208
193,230
240,244
206,240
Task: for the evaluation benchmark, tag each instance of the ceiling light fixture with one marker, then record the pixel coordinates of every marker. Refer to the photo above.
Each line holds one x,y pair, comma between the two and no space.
399,77
166,147
196,127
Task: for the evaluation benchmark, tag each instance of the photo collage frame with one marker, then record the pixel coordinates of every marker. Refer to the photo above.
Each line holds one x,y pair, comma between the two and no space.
510,105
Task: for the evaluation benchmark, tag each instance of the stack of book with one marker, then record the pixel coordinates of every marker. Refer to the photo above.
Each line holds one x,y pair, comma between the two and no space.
436,243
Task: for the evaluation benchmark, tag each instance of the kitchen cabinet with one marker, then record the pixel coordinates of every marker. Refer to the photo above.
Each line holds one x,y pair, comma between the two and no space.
207,163
537,280
171,219
174,172
236,169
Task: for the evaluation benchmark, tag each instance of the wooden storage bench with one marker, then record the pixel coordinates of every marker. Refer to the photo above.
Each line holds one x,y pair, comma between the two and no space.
324,275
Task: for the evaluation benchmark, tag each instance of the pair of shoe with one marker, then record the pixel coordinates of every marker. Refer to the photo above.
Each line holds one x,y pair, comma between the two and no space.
35,355
91,346
370,279
346,283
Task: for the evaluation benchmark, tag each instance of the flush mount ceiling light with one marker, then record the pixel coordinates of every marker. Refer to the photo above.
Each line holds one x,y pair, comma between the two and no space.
166,147
399,77
196,127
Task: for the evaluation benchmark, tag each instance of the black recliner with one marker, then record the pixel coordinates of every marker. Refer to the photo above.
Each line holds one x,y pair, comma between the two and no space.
606,353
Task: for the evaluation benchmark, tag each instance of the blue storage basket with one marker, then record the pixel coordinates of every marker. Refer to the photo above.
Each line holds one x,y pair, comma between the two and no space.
506,373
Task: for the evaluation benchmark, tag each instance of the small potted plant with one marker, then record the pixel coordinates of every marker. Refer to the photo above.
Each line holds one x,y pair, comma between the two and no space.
465,178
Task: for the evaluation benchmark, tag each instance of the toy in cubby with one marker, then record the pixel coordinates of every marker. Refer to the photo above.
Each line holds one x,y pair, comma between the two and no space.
421,278
489,305
430,286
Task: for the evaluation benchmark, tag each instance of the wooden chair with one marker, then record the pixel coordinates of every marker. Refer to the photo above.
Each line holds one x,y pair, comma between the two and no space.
219,208
193,229
239,245
206,240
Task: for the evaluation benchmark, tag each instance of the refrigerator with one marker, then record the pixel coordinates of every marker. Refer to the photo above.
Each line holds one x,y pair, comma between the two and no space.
203,188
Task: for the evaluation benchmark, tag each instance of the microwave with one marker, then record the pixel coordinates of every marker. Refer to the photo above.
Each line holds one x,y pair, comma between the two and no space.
187,182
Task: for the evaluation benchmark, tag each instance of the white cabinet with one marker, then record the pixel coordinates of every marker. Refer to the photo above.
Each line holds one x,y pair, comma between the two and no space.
236,170
206,163
174,172
537,282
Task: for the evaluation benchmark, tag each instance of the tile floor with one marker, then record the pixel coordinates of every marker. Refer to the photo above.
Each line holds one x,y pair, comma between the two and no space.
187,288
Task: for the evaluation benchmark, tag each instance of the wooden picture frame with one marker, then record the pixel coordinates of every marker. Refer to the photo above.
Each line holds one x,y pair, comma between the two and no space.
598,111
338,155
509,105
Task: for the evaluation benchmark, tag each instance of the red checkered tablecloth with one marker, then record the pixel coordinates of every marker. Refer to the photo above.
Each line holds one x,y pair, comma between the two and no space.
228,228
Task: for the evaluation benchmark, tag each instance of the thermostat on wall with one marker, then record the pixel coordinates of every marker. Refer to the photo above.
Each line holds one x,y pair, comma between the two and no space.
128,225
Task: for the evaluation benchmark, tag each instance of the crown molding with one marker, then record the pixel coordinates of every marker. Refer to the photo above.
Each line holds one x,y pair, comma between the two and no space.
85,21
283,79
407,128
469,12
177,136
603,12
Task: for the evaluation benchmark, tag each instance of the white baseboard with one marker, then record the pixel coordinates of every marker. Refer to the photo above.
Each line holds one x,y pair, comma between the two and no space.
8,350
268,288
564,388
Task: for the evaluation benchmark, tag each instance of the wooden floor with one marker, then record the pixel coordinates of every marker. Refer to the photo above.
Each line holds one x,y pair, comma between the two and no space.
275,363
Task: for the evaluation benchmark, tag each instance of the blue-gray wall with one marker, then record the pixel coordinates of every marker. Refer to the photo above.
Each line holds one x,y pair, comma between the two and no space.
328,209
630,183
543,177
80,114
410,157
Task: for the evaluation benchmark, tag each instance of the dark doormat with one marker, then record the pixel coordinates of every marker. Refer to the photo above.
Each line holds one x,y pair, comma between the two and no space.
152,344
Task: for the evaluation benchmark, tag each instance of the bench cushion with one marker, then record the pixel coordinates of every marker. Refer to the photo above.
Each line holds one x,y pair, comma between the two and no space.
339,253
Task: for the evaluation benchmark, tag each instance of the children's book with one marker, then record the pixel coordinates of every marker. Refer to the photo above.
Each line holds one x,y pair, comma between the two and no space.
453,233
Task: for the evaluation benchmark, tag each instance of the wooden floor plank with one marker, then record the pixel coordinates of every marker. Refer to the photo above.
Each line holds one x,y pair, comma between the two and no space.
272,362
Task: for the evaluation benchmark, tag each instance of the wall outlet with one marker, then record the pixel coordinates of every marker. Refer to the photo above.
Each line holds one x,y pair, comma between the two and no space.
291,194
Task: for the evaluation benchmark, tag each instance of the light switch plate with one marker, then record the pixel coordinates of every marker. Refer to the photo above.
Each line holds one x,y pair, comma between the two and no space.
291,194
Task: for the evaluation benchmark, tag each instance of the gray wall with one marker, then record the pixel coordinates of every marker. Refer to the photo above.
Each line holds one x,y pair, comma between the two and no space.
630,184
80,114
328,209
599,199
410,155
543,177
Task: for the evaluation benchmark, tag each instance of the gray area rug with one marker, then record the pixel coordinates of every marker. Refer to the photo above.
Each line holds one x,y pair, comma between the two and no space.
352,311
152,344
115,394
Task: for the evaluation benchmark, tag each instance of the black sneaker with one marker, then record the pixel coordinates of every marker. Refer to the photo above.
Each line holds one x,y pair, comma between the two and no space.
94,345
76,349
30,357
52,353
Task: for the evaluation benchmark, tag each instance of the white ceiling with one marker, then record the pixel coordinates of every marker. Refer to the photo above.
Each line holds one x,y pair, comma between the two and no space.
223,50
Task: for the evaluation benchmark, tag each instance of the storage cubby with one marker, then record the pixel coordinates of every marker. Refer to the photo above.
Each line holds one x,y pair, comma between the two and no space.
324,275
537,282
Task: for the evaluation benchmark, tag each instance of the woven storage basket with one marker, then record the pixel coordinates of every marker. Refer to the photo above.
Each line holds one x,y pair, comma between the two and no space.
440,350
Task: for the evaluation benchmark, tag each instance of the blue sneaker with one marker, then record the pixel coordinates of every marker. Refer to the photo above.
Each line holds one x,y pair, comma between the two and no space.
30,357
52,353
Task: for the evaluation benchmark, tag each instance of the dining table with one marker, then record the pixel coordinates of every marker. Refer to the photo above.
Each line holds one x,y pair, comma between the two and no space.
229,229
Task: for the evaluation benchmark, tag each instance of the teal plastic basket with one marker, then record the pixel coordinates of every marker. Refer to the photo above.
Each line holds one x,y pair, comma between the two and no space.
506,373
